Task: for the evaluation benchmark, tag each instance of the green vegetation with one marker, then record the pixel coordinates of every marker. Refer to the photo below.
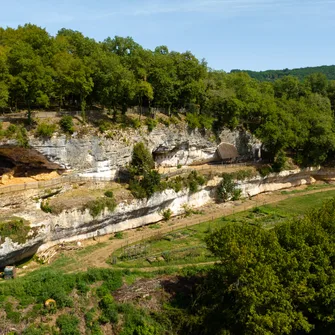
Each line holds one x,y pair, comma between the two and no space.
274,270
45,130
109,194
16,229
145,181
142,161
66,123
227,189
68,324
22,302
277,281
301,74
45,206
188,245
17,132
97,206
292,114
119,235
167,213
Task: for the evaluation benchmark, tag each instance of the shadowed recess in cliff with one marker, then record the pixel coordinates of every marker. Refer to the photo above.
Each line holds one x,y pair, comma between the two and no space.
24,162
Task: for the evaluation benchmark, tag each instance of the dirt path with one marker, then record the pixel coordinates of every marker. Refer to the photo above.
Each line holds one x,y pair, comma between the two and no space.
98,257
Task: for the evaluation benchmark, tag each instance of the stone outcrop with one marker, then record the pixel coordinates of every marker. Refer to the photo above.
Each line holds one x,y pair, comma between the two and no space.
171,146
75,224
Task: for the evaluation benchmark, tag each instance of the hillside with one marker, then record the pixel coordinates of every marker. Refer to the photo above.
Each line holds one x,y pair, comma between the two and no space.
301,73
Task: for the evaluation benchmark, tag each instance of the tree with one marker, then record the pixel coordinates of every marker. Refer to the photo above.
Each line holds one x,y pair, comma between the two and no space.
142,161
278,281
30,78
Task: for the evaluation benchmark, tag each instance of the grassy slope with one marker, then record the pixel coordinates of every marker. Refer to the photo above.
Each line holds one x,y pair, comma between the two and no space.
188,246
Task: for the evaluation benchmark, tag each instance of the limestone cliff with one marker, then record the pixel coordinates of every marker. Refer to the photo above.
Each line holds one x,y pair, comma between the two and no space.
102,156
77,224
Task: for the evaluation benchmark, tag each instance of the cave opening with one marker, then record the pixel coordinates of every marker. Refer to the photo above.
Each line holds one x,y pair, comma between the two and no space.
25,162
6,165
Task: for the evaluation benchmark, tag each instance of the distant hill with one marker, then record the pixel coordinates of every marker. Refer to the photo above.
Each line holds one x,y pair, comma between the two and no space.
270,75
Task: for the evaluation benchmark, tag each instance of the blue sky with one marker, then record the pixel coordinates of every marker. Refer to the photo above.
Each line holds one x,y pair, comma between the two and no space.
229,34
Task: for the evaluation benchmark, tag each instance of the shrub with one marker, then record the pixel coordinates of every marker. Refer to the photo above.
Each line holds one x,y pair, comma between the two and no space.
194,180
147,186
104,126
151,123
15,228
141,161
193,120
265,170
135,123
66,123
174,120
97,206
206,121
226,188
119,235
280,161
22,137
179,166
137,190
45,130
109,194
45,207
167,214
176,184
243,174
11,130
68,324
109,309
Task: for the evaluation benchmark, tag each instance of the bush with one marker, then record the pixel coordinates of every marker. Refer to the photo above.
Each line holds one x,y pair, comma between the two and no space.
135,123
167,214
45,207
97,206
66,123
137,189
193,121
227,189
265,170
141,161
22,137
119,235
68,324
280,162
16,229
147,186
194,180
151,123
109,194
104,126
109,309
45,130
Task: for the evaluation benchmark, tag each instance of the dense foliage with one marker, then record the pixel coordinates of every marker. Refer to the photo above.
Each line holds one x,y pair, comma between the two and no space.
70,70
278,281
75,294
301,73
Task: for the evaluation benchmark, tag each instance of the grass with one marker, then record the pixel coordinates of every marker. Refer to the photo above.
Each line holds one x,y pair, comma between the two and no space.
309,188
187,246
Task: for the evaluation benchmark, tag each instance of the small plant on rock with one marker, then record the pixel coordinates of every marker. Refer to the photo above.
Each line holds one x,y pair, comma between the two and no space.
167,214
66,123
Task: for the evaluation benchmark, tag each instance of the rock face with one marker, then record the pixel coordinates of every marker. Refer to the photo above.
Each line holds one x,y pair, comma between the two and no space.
103,157
76,225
